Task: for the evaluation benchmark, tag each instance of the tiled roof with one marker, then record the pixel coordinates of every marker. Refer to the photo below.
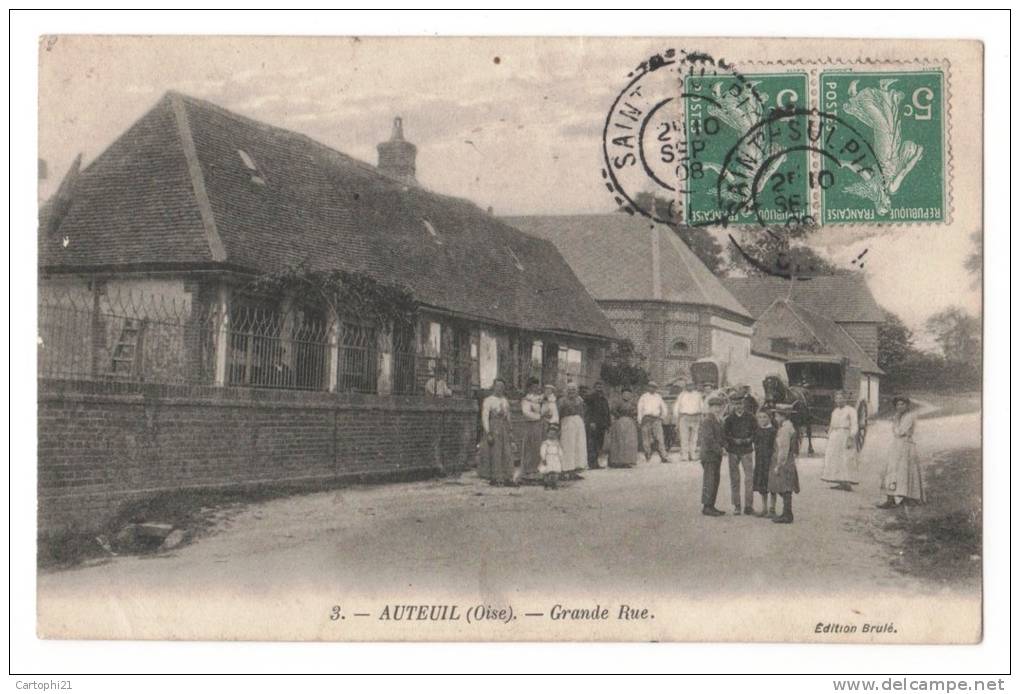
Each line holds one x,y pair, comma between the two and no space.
173,191
620,257
845,298
833,338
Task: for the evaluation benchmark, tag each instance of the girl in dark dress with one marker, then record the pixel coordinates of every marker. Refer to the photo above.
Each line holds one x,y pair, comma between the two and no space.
783,479
764,449
623,434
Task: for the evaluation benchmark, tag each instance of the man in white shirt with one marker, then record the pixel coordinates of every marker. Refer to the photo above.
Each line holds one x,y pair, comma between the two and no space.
651,410
687,412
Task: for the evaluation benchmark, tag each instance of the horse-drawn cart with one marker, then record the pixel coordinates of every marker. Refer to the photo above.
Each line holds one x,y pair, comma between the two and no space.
813,382
822,378
710,372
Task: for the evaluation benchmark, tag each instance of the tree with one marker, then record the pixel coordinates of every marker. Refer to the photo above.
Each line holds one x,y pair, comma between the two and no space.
895,343
974,263
704,245
778,251
621,366
698,239
957,333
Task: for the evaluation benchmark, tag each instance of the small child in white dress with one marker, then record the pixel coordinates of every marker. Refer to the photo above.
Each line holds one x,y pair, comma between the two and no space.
552,458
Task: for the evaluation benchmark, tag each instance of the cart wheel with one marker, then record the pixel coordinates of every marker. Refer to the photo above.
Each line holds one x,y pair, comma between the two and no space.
862,424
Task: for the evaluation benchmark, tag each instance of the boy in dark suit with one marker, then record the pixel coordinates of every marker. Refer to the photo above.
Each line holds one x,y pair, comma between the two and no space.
711,441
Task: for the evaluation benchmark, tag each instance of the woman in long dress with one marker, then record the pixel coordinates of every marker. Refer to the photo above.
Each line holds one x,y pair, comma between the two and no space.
534,432
573,437
623,434
902,481
842,464
496,458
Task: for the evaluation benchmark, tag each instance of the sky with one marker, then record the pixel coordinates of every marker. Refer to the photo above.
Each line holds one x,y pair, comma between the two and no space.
514,124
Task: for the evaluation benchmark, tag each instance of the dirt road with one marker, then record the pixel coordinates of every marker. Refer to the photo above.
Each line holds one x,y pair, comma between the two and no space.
635,531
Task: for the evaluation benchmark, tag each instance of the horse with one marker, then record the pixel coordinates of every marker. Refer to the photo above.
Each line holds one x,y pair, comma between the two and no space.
777,392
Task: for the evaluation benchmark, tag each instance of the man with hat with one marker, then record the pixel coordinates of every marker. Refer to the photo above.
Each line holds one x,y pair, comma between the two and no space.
750,402
710,449
651,410
738,429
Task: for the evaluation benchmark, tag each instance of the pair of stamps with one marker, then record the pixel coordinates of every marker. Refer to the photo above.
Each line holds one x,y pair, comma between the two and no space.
790,147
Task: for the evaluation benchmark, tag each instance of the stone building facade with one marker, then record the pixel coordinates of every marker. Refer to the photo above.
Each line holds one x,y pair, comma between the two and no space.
653,288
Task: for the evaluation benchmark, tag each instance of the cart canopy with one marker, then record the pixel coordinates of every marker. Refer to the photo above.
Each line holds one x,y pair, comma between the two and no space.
822,372
706,371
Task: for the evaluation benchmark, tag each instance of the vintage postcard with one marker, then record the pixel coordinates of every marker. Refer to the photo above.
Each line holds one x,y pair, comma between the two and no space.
510,339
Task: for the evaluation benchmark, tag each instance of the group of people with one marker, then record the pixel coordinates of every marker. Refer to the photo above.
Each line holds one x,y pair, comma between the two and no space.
761,450
564,434
662,426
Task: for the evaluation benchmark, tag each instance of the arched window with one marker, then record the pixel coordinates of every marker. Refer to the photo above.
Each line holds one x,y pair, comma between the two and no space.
680,347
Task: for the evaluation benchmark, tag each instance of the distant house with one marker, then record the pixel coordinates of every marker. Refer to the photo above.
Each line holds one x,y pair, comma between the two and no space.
659,295
845,299
193,202
787,329
654,289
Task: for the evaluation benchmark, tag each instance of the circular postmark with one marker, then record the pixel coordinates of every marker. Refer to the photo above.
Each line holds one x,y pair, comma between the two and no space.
692,142
757,177
751,178
647,148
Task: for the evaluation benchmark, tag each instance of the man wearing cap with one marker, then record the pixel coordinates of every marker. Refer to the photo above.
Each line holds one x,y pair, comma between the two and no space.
651,410
738,429
687,413
750,402
710,450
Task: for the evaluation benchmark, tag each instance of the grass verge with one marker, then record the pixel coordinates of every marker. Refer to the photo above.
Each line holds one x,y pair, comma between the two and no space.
942,539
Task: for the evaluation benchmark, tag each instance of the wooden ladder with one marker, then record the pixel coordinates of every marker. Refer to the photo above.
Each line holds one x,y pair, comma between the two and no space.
126,356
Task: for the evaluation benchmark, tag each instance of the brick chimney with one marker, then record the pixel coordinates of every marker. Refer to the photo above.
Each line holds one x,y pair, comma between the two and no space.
396,156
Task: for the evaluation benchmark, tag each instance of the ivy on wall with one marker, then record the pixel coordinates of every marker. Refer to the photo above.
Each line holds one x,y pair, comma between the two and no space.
344,293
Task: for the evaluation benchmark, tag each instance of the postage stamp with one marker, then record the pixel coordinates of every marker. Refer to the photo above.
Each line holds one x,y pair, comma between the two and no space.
673,127
719,115
901,115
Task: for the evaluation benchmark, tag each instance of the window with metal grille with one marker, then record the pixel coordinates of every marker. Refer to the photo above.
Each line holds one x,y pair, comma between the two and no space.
273,349
255,354
357,369
403,362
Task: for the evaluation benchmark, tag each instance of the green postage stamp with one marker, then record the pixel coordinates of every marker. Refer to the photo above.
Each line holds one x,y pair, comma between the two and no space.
900,116
720,111
822,147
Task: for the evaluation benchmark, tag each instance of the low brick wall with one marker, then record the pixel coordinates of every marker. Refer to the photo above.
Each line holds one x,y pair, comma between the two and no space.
101,446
